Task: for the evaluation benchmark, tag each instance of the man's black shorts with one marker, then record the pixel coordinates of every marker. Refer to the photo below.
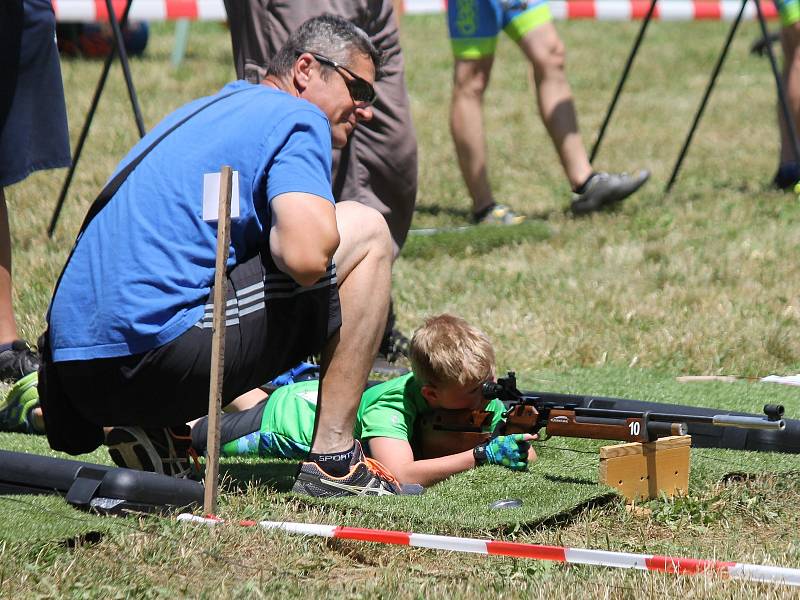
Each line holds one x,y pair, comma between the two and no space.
272,324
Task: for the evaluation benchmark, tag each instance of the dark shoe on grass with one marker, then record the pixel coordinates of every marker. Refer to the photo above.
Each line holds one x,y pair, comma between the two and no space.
166,450
394,346
366,477
18,361
787,176
603,190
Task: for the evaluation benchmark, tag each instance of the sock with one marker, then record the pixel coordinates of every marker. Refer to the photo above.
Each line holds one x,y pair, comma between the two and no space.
336,464
582,187
4,347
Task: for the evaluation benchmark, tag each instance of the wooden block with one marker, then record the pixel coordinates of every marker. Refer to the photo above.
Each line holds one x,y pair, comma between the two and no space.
643,471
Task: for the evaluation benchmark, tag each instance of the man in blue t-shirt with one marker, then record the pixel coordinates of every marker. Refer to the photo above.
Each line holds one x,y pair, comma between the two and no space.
129,337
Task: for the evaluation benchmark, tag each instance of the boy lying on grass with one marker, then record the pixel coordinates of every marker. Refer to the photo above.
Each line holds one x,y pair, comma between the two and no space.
450,359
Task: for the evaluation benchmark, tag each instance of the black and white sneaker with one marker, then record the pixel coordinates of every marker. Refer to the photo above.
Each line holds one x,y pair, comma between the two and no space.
18,361
367,477
603,190
167,451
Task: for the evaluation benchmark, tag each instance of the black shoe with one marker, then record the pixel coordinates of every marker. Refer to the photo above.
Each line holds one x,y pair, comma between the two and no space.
18,361
787,176
167,451
383,369
603,190
367,477
394,346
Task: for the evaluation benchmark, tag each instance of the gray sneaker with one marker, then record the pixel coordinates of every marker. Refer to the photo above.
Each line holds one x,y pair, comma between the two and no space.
366,477
163,450
606,189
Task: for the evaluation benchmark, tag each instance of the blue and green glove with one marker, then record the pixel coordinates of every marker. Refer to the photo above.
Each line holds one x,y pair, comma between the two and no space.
510,451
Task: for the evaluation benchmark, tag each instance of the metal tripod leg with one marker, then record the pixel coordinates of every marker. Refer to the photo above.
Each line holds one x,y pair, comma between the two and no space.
118,47
706,96
623,79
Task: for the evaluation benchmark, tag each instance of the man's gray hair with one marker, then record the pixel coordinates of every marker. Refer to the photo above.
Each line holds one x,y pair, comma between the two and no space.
331,36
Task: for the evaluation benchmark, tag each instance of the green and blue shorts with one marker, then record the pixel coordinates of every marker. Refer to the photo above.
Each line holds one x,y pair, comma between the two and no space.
789,11
475,24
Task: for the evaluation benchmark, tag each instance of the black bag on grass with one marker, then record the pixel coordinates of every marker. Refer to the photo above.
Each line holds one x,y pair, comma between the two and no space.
104,489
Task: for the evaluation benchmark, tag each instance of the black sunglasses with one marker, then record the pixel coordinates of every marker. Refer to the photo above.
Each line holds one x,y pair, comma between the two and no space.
361,90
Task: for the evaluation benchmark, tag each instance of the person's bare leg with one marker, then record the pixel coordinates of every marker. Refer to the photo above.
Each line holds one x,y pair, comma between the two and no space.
363,269
545,51
8,326
790,41
246,401
470,79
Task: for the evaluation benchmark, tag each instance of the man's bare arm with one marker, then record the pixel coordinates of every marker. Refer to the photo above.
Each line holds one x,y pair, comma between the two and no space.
303,236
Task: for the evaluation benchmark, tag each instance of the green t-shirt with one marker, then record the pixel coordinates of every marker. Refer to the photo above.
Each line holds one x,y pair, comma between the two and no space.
388,409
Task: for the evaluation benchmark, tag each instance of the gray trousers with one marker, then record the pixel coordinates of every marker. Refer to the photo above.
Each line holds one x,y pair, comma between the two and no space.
378,167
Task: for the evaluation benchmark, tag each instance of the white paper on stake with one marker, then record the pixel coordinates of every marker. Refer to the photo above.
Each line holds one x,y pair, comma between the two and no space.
211,196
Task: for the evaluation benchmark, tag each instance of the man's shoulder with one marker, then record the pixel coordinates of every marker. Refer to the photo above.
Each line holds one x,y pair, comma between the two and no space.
278,100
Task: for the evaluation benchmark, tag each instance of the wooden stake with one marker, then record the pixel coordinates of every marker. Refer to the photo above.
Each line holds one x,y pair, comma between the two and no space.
218,342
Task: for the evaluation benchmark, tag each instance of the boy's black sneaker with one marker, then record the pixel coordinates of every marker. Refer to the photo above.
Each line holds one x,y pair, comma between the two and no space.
366,477
167,451
18,361
603,190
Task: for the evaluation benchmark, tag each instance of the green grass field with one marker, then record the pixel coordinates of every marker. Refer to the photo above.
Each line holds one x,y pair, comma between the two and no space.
703,281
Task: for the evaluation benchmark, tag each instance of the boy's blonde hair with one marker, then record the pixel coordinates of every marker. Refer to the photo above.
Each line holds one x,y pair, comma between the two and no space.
447,349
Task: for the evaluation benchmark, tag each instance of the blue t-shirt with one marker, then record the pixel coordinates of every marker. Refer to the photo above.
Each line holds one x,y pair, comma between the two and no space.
143,268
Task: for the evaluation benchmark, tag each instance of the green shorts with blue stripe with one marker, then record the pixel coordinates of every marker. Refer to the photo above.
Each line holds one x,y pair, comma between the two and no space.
475,24
789,11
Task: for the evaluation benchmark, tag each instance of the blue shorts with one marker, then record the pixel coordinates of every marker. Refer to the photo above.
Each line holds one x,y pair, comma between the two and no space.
475,24
33,115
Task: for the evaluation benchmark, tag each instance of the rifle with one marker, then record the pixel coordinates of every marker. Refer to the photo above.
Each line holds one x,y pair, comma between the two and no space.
446,432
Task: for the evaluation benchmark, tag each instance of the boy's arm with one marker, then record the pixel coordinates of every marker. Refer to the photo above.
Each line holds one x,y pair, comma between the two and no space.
398,457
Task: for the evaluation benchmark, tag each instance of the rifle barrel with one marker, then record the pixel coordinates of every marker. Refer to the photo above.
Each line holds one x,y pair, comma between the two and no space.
748,422
741,422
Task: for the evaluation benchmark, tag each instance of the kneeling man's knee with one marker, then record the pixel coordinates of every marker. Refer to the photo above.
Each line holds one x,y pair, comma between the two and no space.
363,225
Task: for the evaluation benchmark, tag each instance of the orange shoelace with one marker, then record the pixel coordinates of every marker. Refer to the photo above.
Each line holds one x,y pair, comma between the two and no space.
380,470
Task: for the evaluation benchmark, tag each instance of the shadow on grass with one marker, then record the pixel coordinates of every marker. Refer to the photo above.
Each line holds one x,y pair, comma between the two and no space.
278,475
566,517
471,241
461,214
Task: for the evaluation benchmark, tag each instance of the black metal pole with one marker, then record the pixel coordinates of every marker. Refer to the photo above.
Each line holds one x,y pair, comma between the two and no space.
787,113
85,130
623,79
126,69
706,96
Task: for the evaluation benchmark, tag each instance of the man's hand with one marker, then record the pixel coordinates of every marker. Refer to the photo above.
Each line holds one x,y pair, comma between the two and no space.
510,451
303,236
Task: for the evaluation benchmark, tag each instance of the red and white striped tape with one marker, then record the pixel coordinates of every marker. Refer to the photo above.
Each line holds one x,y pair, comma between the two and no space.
608,10
580,556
